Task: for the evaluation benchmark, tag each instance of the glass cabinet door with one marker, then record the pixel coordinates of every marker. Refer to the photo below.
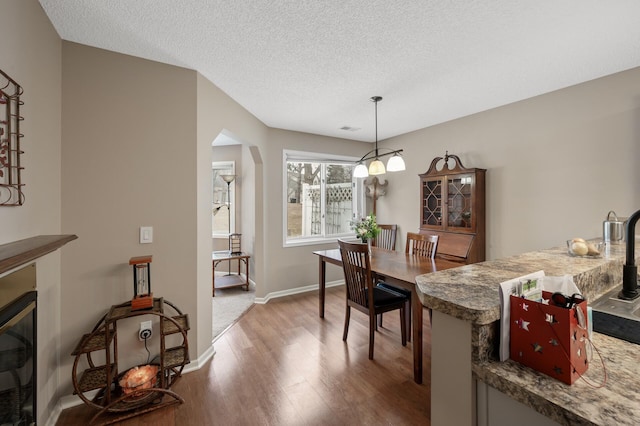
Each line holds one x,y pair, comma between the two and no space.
432,208
459,201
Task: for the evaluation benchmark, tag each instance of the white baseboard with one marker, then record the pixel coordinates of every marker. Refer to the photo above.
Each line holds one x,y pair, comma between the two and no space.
53,418
297,290
283,293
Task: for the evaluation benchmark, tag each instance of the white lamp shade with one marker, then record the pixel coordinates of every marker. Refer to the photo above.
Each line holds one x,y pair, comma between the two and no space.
360,171
228,178
376,168
395,164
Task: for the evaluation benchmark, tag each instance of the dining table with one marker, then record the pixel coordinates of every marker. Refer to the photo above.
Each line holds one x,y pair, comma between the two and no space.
397,268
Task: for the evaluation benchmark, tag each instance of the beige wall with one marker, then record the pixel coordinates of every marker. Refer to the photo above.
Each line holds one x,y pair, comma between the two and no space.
30,52
292,267
216,113
148,163
128,160
246,218
556,164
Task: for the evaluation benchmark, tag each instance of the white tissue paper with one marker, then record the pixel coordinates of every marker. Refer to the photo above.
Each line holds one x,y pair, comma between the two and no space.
563,284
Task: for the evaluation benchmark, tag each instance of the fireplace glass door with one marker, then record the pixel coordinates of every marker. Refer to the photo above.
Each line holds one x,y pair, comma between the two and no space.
17,361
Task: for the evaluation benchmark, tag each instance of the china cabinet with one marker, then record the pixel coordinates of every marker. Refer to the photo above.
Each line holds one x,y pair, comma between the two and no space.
452,200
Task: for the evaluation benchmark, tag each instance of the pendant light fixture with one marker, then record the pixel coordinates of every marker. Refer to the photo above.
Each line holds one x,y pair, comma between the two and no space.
376,167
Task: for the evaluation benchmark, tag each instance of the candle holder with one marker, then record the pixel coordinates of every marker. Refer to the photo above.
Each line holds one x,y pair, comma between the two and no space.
142,296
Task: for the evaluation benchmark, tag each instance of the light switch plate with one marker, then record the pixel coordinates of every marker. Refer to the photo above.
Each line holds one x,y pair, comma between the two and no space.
146,234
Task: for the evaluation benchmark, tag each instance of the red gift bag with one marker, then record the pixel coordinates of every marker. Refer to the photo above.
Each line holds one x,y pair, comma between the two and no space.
548,338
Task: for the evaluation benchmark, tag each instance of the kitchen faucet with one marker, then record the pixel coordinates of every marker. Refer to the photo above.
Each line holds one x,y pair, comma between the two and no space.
630,270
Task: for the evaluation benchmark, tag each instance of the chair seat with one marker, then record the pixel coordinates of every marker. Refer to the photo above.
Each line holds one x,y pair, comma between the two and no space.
387,296
403,291
407,295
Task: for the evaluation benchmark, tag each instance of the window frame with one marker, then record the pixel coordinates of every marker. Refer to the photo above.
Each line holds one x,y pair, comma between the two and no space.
223,166
358,198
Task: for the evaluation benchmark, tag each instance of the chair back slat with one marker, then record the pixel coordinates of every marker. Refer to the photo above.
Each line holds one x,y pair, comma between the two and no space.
421,245
357,272
386,239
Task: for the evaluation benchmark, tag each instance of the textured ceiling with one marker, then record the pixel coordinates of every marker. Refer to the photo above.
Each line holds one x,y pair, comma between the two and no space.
312,65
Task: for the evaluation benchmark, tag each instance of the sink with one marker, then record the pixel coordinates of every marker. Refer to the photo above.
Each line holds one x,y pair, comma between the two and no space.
617,313
617,317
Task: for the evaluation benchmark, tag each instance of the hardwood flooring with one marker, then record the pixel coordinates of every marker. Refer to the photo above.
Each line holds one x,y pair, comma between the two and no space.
280,364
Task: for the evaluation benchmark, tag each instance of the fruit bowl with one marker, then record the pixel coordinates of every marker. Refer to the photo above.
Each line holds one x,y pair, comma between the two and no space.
579,247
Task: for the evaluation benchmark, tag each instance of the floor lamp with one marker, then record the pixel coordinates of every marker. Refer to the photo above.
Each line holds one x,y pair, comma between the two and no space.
228,179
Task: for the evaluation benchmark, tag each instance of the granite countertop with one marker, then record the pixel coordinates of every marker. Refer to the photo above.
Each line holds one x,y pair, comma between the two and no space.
616,403
470,293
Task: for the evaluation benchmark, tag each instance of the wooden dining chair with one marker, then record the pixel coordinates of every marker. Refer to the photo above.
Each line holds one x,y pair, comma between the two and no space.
416,245
386,239
421,245
363,295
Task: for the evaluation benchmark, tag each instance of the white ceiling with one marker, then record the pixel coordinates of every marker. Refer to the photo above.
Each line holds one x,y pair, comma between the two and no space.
312,65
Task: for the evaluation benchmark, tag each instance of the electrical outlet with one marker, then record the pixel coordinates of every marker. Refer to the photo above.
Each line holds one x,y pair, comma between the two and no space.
145,330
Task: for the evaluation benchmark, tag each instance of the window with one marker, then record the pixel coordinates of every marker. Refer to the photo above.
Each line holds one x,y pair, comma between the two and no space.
223,199
321,197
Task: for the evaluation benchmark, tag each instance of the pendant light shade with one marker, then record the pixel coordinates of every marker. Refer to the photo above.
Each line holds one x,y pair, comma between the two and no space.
376,168
395,163
360,171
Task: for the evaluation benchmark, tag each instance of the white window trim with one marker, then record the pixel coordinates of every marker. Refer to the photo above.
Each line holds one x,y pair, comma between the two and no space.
304,156
225,165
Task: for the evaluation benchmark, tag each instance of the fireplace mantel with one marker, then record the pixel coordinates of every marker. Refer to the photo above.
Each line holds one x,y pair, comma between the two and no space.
18,253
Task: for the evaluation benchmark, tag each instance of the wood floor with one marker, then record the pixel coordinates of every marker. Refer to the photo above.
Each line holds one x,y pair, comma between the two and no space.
281,364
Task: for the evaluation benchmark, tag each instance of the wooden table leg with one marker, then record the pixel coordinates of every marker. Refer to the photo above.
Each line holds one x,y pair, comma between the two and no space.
323,270
416,316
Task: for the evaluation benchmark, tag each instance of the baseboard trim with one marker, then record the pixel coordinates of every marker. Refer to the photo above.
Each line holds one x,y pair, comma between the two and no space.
297,290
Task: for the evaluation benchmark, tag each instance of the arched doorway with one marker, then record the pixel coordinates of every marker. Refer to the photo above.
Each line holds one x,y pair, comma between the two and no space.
233,211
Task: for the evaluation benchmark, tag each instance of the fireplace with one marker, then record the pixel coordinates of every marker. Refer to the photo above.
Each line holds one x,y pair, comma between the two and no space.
18,346
18,360
18,326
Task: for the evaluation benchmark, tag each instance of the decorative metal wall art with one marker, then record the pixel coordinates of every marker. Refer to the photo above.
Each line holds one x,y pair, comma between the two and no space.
11,193
375,189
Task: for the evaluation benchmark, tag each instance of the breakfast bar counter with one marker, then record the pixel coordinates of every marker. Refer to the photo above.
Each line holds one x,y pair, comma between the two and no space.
470,386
